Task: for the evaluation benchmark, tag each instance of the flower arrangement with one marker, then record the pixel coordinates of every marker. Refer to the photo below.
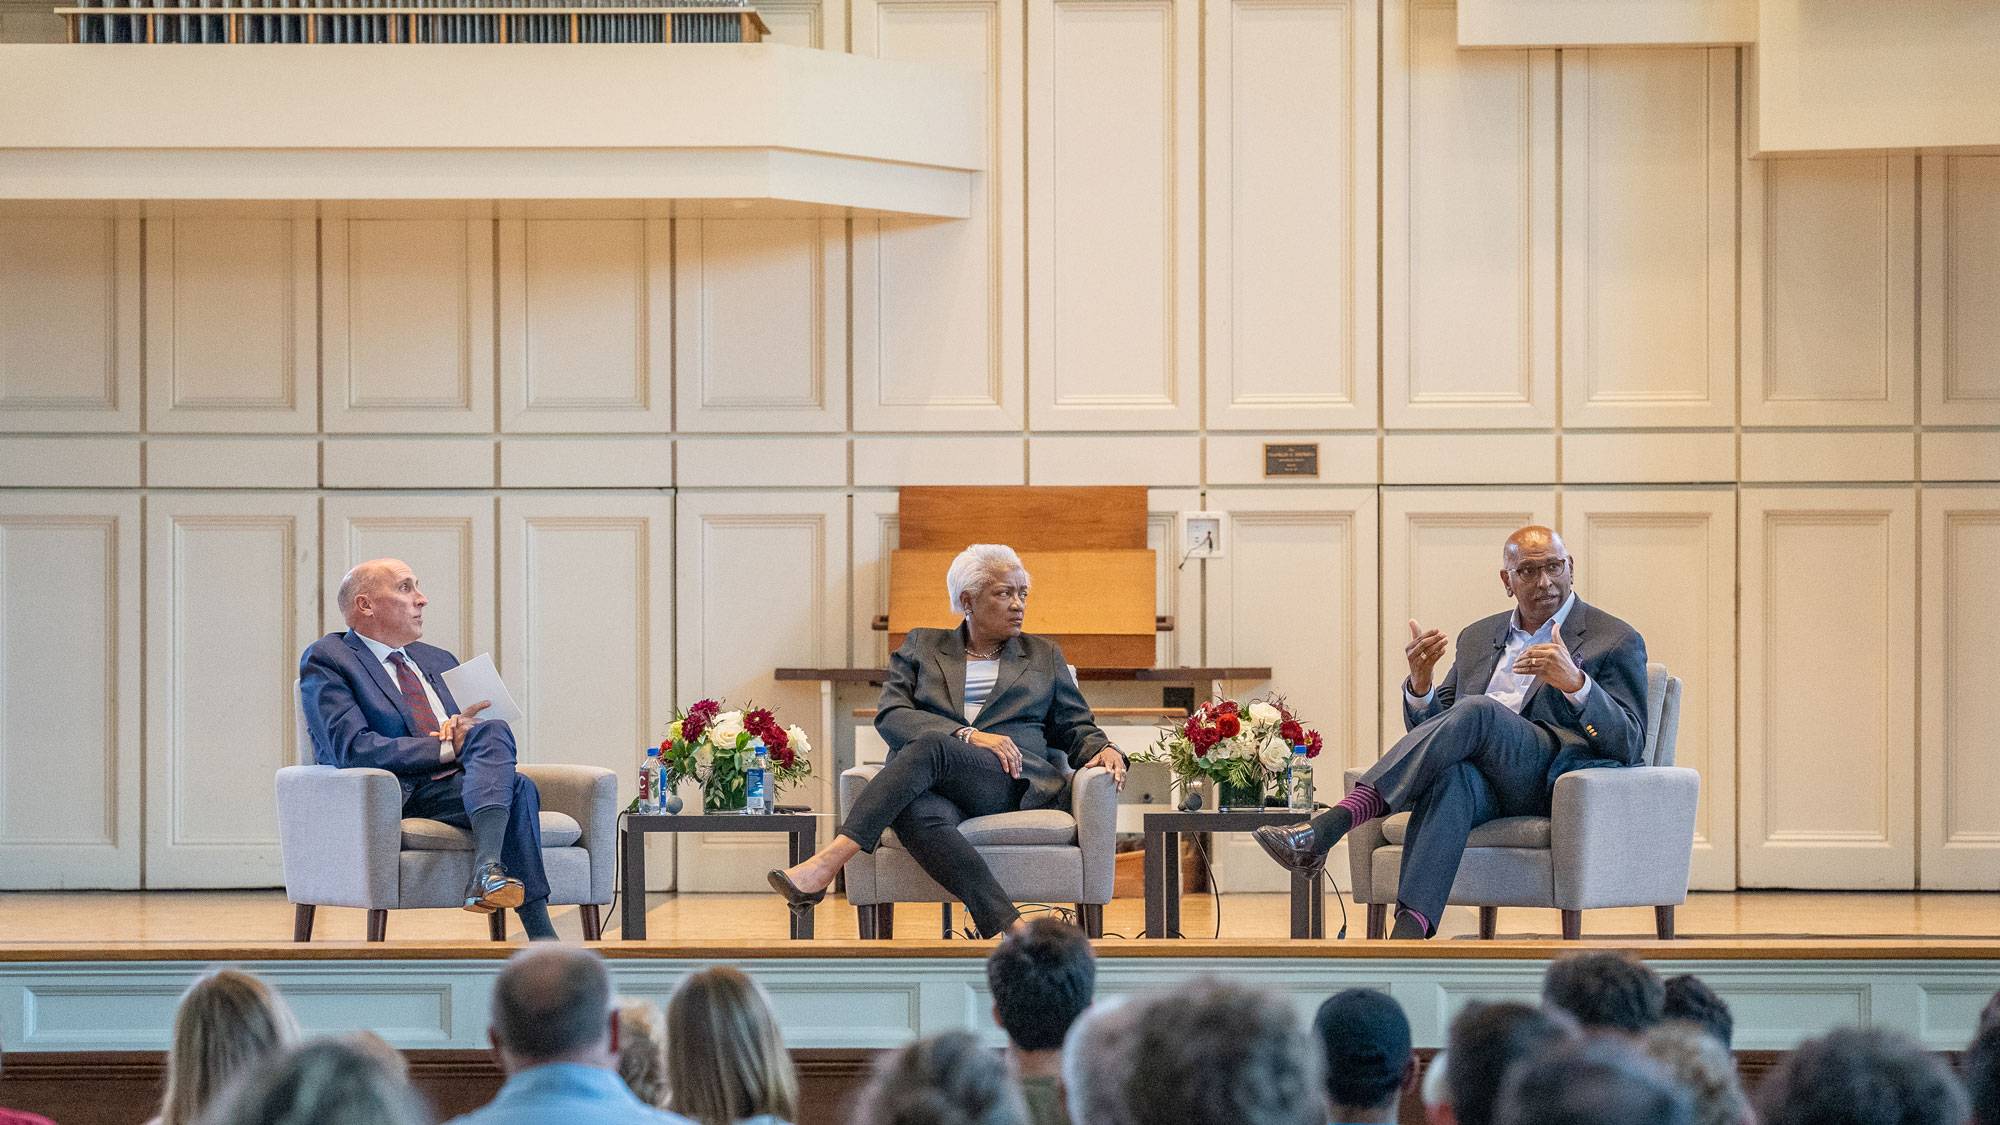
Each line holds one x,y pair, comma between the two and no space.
714,747
1242,748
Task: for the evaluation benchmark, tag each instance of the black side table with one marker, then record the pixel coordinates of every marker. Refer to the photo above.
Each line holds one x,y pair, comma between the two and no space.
802,830
1163,868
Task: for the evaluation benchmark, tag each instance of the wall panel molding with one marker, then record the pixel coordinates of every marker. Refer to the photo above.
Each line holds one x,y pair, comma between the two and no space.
1961,287
1958,826
760,324
448,540
69,317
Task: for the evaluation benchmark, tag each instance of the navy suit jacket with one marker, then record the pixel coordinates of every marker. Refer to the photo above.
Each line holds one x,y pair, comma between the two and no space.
356,714
1608,730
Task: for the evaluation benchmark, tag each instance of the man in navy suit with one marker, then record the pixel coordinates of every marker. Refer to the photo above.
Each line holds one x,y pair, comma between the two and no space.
1554,685
375,696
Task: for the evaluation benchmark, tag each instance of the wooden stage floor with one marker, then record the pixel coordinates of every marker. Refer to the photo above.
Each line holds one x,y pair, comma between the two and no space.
30,919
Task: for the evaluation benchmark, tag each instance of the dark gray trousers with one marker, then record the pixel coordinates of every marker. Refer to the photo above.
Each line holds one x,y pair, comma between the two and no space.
1476,762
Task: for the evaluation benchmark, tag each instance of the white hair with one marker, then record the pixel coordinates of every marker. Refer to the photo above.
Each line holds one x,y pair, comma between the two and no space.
975,568
1096,1061
1436,1089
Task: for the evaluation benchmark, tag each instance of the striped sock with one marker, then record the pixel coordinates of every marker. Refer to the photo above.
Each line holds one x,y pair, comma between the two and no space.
1363,804
1417,916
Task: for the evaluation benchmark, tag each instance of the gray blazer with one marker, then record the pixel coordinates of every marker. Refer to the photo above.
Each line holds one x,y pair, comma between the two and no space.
1034,702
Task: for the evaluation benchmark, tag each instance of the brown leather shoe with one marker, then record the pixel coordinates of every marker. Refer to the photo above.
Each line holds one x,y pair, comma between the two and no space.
1291,845
493,889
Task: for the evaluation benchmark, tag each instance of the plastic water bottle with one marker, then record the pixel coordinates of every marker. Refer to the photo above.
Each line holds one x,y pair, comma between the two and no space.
650,796
1299,782
757,782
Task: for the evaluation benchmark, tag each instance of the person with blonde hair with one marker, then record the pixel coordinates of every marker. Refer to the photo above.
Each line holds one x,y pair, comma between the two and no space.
228,1022
352,1080
642,1050
726,1061
1703,1067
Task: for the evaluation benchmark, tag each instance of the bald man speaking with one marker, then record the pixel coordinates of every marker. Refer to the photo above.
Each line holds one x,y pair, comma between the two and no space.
375,696
1551,686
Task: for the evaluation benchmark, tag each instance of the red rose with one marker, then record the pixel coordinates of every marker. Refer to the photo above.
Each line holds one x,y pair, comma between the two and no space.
1227,707
1202,736
782,755
776,741
1291,732
1228,726
1201,750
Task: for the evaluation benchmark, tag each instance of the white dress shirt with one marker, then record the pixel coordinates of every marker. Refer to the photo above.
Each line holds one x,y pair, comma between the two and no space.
1508,686
446,751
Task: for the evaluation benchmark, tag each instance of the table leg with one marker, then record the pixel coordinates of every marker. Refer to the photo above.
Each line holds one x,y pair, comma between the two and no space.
1154,868
1301,910
632,916
1318,906
1170,883
804,843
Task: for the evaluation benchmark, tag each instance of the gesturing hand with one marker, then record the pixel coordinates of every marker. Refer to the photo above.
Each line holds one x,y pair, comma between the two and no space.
461,724
1552,662
1423,651
1002,747
1113,759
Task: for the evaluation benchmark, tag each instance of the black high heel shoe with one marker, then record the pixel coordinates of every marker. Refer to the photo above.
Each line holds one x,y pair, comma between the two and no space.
793,896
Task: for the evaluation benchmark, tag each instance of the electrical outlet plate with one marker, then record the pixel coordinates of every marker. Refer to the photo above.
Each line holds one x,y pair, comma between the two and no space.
1202,534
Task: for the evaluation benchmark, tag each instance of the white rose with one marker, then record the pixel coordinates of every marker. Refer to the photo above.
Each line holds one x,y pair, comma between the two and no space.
796,738
1275,754
1263,714
726,729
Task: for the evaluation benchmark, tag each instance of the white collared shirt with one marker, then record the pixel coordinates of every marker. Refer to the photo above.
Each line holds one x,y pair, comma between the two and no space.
1508,686
446,751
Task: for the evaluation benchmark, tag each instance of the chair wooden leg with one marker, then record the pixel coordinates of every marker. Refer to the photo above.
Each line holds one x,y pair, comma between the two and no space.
378,925
944,913
1663,922
496,925
1489,922
1572,925
885,920
864,920
593,922
1090,915
302,922
1378,920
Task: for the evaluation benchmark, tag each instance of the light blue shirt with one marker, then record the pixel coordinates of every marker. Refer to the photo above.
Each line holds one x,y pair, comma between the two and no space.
566,1094
1508,686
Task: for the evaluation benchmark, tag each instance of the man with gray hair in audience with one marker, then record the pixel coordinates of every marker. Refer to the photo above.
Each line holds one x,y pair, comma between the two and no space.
1595,1081
555,1033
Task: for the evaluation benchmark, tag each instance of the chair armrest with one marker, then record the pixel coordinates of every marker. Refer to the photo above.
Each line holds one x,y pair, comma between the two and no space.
1361,841
339,835
852,782
1093,801
589,794
1623,836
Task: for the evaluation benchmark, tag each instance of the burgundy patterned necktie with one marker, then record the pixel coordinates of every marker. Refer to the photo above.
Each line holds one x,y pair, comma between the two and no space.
413,694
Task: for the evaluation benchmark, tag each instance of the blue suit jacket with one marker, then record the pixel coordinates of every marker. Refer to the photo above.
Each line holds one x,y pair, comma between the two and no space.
356,714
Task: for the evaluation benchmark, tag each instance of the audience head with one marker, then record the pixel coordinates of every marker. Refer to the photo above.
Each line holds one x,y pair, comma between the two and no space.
1042,977
1097,1059
228,1022
1221,1052
380,599
946,1079
1605,992
345,1081
726,1060
1593,1082
978,570
1436,1091
1689,998
1982,1075
642,1050
552,1004
1859,1076
1702,1066
1486,1041
1364,1040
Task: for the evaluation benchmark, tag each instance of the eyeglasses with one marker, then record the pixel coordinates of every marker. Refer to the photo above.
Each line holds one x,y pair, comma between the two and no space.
1533,572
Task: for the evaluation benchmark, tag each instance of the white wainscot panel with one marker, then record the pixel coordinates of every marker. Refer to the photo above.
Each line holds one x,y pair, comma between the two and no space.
1827,747
806,23
408,320
1113,239
1291,203
1649,237
1295,590
1961,288
1829,290
1960,824
69,690
938,329
761,324
448,542
585,332
1441,566
69,317
1665,562
231,603
762,586
1468,226
232,328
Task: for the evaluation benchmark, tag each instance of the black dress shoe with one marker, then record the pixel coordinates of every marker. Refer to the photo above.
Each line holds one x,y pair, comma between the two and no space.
1291,845
794,897
493,889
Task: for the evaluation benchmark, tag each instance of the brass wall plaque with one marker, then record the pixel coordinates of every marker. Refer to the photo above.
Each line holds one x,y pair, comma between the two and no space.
1291,459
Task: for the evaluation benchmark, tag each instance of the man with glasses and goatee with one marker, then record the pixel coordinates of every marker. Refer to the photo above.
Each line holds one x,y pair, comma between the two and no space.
1551,686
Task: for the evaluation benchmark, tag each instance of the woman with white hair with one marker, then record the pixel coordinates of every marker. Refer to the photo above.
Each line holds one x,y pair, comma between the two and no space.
980,719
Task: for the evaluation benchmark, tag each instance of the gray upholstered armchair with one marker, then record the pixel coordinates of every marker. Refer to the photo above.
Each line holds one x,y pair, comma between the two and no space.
1615,837
345,842
1039,855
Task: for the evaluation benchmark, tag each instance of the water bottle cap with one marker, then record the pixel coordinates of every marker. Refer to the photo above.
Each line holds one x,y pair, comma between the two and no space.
1300,748
652,751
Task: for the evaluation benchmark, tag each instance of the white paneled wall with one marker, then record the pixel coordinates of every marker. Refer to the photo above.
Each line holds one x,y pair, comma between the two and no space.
643,457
